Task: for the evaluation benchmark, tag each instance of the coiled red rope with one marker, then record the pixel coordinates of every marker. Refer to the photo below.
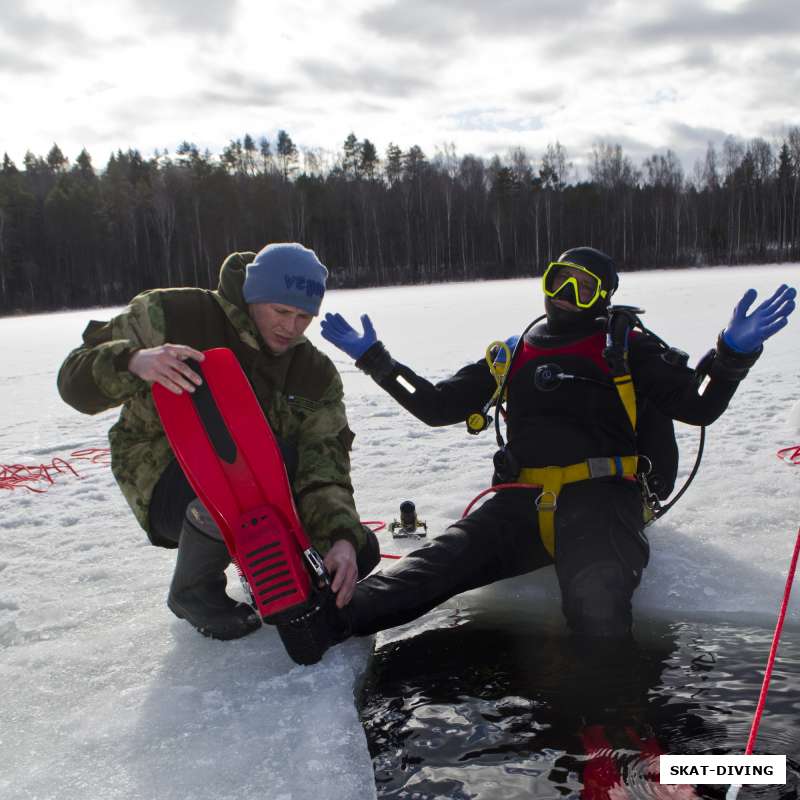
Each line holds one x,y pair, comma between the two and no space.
790,454
22,476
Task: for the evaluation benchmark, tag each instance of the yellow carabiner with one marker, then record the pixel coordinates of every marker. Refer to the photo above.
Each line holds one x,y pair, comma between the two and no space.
496,366
480,420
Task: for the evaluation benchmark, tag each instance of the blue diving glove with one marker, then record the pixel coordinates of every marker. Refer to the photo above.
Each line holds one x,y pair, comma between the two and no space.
746,334
338,331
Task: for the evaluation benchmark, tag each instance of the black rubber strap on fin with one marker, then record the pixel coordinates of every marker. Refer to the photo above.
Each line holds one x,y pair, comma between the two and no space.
211,418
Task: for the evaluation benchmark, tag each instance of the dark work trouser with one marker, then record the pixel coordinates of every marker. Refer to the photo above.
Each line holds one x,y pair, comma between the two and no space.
168,508
601,551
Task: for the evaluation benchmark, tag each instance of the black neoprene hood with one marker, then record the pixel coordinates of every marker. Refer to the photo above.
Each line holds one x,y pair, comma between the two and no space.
595,261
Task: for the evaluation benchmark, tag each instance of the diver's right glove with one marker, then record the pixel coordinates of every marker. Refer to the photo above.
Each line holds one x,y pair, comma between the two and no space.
742,342
746,334
338,331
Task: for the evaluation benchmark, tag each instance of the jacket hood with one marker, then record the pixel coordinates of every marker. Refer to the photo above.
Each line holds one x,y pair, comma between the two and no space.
231,278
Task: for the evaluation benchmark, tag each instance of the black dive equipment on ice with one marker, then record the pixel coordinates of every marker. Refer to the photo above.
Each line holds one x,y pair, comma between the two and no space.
409,523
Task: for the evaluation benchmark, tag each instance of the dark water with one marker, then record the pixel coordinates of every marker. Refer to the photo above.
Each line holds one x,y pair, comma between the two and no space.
486,708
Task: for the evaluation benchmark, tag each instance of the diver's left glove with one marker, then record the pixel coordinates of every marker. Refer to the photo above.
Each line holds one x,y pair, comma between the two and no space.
746,334
338,331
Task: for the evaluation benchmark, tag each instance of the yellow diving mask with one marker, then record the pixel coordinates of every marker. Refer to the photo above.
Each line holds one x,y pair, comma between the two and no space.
587,287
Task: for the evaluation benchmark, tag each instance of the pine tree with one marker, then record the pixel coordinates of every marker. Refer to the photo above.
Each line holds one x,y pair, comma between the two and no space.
56,160
351,160
287,154
394,164
368,165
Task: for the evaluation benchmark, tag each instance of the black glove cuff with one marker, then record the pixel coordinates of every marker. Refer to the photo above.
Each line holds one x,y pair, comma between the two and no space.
377,362
731,365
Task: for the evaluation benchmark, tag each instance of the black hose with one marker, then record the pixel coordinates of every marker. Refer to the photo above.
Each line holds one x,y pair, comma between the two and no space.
658,513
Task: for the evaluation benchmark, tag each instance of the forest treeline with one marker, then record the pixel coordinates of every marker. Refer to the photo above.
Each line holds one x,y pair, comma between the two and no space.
74,236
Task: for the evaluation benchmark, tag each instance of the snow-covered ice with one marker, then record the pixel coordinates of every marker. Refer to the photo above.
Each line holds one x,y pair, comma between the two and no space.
106,695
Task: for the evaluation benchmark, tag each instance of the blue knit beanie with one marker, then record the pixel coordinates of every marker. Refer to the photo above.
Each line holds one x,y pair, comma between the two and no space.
286,273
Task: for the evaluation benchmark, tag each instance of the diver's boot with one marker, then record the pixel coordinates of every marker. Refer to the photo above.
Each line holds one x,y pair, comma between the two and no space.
197,592
309,632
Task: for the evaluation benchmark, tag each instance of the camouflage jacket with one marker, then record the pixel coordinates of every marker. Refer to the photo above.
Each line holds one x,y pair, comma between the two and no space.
300,392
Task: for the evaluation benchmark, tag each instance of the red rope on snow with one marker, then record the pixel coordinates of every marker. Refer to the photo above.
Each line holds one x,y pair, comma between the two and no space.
13,476
21,476
97,455
377,526
791,455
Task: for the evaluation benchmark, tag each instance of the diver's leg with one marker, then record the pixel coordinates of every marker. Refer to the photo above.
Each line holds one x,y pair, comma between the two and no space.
499,540
601,552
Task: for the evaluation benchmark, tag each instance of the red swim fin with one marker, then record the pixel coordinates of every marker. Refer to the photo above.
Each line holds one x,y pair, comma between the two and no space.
601,774
227,450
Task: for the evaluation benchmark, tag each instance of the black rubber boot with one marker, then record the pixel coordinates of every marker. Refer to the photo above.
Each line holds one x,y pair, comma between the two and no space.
197,592
308,633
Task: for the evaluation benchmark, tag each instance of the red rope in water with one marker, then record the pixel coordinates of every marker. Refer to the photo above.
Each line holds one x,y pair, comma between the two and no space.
762,698
792,456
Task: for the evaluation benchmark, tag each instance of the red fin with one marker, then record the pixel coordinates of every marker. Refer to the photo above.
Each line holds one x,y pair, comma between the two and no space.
224,444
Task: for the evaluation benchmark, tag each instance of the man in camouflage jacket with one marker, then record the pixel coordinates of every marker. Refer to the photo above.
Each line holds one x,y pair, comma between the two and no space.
260,310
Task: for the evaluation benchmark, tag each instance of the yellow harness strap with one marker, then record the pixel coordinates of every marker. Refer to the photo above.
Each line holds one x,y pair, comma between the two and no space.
627,394
551,479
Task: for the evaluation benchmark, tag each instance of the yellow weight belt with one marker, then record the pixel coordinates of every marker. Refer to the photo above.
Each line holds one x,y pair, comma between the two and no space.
551,479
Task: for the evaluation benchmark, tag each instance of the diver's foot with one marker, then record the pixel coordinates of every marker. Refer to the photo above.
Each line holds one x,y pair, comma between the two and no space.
310,633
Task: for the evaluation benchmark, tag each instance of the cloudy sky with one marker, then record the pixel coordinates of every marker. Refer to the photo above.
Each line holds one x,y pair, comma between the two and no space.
485,75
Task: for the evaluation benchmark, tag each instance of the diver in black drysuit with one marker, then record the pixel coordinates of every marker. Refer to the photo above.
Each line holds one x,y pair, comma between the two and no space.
600,545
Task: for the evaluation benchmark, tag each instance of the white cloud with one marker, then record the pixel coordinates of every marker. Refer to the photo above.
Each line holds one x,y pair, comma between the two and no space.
487,77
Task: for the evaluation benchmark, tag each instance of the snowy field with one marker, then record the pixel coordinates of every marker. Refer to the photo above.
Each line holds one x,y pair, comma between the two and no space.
106,695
